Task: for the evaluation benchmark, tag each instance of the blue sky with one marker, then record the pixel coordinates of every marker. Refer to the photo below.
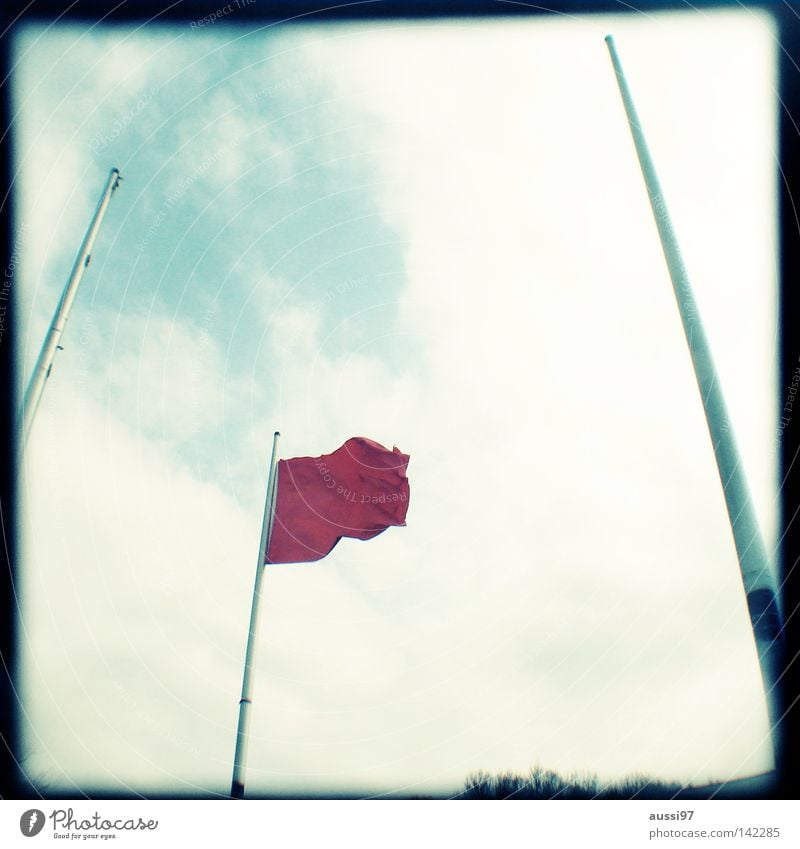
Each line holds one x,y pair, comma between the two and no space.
434,235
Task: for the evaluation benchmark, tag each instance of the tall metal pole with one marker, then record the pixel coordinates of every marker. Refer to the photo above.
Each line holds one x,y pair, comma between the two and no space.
246,701
51,345
757,577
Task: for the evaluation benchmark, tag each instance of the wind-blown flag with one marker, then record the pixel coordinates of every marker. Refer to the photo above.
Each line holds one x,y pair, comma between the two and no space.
358,491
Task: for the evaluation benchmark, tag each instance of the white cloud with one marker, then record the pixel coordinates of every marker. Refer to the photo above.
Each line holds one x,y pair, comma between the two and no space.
133,567
555,376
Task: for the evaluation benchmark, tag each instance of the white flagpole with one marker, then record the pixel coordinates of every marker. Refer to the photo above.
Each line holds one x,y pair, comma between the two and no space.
246,701
51,345
757,577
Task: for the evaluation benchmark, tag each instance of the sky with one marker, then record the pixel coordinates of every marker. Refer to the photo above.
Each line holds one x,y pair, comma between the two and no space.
435,235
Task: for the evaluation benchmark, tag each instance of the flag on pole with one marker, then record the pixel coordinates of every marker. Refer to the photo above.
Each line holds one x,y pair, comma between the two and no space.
357,491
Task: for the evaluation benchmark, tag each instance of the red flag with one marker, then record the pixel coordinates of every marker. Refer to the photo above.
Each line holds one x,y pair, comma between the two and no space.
358,491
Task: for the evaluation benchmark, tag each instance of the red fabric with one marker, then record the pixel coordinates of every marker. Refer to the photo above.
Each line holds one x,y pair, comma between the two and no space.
358,491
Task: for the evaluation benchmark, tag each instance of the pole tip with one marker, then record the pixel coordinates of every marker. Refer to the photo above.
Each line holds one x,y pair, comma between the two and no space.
609,39
115,170
277,433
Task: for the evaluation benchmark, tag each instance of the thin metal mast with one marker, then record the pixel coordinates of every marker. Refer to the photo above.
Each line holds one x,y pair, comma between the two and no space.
51,345
757,577
246,701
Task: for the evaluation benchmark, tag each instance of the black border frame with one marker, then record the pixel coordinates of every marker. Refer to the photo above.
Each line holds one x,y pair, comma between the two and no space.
787,17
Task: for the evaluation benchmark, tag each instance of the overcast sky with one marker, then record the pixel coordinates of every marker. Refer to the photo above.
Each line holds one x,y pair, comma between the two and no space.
434,235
